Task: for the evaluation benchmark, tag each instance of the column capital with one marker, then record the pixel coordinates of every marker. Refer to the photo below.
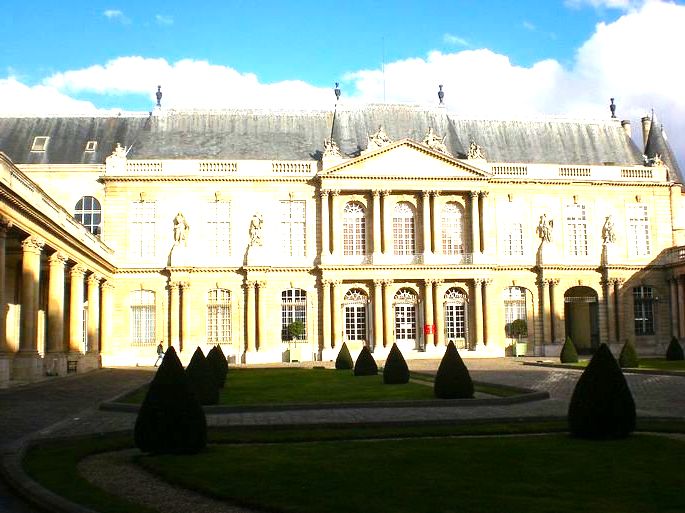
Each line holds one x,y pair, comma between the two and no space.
385,192
57,259
324,192
483,194
250,284
5,224
435,193
335,192
376,193
184,284
107,285
621,281
478,281
542,282
174,285
261,284
326,282
378,283
386,282
78,270
553,281
94,279
430,281
487,281
32,245
336,283
426,194
474,194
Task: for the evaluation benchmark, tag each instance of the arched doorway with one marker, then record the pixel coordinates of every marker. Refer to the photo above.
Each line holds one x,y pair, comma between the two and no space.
581,312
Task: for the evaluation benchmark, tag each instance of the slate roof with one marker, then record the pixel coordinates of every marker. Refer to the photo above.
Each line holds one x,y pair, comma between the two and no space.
273,135
658,144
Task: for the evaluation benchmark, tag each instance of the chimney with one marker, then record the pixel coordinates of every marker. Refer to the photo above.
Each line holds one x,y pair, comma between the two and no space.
626,127
646,125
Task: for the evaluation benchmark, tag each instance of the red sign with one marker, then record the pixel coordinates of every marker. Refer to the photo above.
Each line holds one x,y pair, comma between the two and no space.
429,329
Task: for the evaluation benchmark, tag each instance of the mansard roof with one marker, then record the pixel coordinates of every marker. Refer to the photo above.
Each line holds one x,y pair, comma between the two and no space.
657,144
299,135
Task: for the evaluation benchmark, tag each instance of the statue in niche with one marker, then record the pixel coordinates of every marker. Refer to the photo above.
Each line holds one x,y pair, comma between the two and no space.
434,141
256,225
544,228
475,151
608,234
181,229
379,138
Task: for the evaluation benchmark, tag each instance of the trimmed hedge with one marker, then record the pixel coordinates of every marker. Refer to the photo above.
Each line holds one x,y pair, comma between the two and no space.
675,350
628,356
395,371
215,360
201,379
452,381
344,360
602,406
365,364
170,420
568,352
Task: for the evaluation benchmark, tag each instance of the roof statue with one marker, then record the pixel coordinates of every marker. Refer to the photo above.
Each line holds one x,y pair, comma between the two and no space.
544,229
158,95
330,148
378,139
475,152
441,95
435,142
116,162
608,233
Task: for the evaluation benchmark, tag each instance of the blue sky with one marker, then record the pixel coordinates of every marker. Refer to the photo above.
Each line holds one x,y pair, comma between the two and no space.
496,58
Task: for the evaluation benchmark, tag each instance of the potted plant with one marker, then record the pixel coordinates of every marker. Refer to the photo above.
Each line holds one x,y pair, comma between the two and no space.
519,329
296,330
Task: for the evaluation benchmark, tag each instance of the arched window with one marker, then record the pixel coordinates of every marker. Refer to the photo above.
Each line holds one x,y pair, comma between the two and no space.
643,306
403,229
89,214
293,309
142,317
514,308
456,315
354,229
355,304
452,222
219,316
405,314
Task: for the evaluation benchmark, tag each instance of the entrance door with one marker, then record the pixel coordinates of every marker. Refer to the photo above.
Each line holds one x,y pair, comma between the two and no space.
581,311
405,322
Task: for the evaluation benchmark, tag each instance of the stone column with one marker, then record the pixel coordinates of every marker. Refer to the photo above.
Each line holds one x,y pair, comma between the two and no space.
76,309
336,314
327,342
610,300
174,316
106,316
475,224
623,330
681,306
261,316
435,226
325,226
250,312
55,341
377,313
336,212
489,313
376,224
388,315
545,311
478,311
186,301
439,309
428,309
603,311
94,313
387,224
673,286
5,225
485,221
558,312
427,235
30,272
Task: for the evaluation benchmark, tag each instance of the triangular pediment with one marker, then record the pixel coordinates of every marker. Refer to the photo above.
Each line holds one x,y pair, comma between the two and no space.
405,159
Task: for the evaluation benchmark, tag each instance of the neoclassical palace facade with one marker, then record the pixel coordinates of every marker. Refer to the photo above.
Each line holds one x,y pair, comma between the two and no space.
281,235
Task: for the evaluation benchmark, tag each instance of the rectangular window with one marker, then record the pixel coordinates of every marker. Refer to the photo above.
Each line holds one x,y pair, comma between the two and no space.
576,230
514,308
638,230
293,225
643,305
513,242
142,317
219,316
40,143
455,321
143,225
355,322
219,228
293,308
91,146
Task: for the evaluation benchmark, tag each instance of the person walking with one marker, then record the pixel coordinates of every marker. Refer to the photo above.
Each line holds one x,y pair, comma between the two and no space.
160,353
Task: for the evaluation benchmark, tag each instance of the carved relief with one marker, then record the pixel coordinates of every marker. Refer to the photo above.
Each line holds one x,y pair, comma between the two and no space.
544,229
435,142
256,227
181,229
475,152
378,139
330,148
608,234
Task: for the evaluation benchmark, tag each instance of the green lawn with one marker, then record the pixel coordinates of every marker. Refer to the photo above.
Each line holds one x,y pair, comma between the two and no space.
551,473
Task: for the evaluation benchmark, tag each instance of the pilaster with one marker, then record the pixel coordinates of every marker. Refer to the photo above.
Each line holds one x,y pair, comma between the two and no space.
106,316
325,226
336,314
675,322
485,221
251,316
681,306
559,328
376,222
5,225
175,316
388,314
94,313
387,224
186,305
56,266
77,273
475,224
478,311
426,218
429,337
377,313
336,241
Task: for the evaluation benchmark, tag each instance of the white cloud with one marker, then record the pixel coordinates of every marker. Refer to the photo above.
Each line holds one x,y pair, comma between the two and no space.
624,5
528,25
116,15
162,19
451,39
19,99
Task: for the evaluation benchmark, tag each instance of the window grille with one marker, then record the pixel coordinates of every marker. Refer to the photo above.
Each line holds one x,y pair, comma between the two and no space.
355,305
143,227
514,308
142,317
452,223
293,308
643,305
219,228
404,242
89,213
219,316
638,230
576,230
293,225
354,229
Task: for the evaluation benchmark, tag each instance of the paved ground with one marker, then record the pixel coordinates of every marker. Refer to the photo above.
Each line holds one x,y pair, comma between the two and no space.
68,406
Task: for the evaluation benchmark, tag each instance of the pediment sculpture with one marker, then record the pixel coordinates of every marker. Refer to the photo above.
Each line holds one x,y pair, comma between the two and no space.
331,149
435,142
475,152
378,139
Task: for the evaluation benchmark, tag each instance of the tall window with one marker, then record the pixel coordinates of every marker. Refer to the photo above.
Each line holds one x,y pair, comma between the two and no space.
514,308
219,227
403,229
455,316
638,230
219,316
354,229
576,230
355,302
293,223
143,226
452,223
293,308
513,239
89,214
142,317
643,305
405,314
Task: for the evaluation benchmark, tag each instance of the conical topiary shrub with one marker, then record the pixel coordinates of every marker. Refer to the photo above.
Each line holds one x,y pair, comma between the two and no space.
602,405
365,364
170,420
344,360
395,371
675,350
201,379
214,360
224,361
628,356
452,381
568,352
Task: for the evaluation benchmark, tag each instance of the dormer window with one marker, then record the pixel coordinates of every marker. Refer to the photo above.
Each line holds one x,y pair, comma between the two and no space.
91,146
40,143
